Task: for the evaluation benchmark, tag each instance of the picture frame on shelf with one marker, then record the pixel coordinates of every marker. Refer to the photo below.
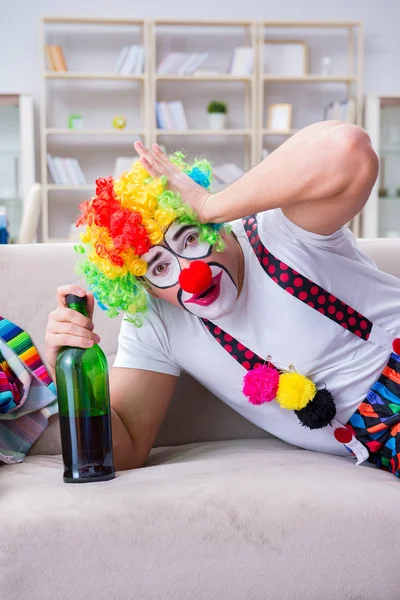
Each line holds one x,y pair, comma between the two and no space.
280,117
285,58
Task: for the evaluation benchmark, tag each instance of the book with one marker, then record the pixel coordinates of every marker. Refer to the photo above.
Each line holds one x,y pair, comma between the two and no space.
130,61
192,62
121,58
62,175
58,58
242,61
345,111
78,172
170,63
178,115
140,61
68,165
49,58
52,170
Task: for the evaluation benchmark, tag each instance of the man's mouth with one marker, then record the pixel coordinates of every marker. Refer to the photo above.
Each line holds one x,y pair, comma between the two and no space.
209,295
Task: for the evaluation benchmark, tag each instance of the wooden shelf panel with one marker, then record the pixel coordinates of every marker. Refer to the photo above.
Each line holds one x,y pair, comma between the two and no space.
90,132
322,24
70,188
204,132
311,78
99,76
277,132
221,77
204,22
92,21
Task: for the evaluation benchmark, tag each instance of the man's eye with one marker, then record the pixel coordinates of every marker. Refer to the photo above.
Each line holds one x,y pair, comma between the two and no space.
191,239
160,269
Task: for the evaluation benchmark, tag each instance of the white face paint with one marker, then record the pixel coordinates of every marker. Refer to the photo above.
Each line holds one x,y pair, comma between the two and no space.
217,301
163,267
184,241
165,263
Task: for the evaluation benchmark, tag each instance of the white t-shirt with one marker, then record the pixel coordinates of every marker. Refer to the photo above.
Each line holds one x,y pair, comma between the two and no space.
269,321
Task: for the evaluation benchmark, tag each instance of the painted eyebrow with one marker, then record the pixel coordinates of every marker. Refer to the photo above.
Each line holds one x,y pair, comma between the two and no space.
155,258
181,231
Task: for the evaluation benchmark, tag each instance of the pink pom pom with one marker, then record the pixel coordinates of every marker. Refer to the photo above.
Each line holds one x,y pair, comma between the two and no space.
261,384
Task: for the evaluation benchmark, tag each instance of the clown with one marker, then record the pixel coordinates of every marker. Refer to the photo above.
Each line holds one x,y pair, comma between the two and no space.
258,291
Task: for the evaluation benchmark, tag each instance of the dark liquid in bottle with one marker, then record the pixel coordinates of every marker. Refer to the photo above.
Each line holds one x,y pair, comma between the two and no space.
87,448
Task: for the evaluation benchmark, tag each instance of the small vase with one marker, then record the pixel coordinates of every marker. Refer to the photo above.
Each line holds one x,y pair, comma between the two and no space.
216,120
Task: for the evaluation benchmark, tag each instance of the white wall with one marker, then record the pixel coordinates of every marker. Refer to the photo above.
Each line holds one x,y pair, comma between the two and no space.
19,31
19,21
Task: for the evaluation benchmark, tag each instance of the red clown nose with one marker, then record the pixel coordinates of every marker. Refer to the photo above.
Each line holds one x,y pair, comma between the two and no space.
197,278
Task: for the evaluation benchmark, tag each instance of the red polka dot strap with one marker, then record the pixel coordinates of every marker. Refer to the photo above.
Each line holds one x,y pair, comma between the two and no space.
238,351
304,289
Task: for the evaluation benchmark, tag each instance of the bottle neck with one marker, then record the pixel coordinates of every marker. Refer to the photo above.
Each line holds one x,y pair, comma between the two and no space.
79,307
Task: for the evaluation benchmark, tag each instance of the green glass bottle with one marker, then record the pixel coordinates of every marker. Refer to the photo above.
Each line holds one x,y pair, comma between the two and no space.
84,409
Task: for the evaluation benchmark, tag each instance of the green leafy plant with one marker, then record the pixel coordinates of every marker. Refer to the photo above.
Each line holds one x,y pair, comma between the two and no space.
217,107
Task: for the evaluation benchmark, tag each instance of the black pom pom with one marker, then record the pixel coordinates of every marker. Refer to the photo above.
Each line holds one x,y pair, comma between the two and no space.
318,413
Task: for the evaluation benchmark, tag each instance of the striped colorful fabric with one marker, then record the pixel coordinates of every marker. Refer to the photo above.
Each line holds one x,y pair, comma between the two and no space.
376,422
20,342
27,393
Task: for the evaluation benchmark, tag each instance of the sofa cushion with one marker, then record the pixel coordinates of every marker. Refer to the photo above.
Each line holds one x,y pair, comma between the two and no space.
225,520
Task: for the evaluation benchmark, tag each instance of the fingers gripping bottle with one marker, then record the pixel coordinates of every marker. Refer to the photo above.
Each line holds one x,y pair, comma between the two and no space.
84,409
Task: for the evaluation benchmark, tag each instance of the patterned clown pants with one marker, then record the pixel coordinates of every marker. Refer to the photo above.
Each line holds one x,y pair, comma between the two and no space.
376,422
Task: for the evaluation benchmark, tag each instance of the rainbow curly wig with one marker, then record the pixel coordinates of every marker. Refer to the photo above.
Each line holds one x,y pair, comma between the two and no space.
123,220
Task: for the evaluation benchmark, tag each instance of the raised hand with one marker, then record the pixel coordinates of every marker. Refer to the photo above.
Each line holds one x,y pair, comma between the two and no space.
157,164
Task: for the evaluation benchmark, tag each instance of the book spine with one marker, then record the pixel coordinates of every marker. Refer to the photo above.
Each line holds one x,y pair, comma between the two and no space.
49,58
121,59
57,58
52,170
159,119
130,61
78,172
140,61
166,115
69,167
61,174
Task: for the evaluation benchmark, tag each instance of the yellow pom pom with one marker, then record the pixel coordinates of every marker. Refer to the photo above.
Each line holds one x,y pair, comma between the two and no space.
295,391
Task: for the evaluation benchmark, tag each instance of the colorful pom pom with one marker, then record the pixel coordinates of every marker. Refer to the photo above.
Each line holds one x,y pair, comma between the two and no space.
260,384
295,391
318,413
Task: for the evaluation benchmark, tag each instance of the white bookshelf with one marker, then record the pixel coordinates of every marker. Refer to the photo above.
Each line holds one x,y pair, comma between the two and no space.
91,88
219,39
247,133
308,93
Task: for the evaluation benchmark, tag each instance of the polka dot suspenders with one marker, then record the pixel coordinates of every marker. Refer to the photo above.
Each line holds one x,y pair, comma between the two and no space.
301,288
298,286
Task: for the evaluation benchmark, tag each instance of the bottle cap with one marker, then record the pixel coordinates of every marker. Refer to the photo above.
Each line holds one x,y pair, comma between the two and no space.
73,299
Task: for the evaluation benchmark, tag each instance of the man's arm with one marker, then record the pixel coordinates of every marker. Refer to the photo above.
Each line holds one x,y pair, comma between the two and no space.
139,399
321,178
139,402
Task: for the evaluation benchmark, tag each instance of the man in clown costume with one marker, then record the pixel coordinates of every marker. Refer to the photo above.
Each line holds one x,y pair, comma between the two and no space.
258,291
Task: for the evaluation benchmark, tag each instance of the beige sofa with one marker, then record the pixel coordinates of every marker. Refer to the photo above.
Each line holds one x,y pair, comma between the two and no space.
222,511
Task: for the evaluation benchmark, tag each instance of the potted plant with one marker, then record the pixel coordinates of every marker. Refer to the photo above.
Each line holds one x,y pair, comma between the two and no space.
216,114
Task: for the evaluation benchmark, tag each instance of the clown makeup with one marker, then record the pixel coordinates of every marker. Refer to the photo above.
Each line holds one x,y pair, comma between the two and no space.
184,252
217,300
184,241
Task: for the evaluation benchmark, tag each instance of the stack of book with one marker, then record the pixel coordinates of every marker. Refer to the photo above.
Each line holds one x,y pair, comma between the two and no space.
171,115
55,58
130,61
345,111
242,61
181,63
65,171
226,174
